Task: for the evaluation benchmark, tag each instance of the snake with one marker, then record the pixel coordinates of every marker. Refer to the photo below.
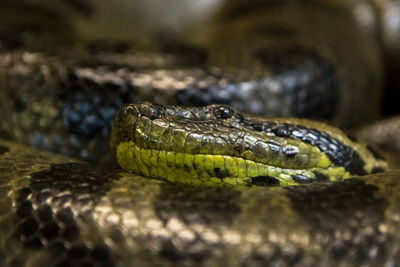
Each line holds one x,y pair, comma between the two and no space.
60,211
216,199
216,144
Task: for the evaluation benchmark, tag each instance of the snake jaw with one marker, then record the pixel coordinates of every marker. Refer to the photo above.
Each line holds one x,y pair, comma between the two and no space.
215,170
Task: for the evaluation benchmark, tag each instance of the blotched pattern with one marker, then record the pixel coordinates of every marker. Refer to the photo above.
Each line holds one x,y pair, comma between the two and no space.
55,212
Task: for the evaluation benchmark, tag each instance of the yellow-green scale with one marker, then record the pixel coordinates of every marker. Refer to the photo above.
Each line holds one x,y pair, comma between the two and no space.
207,169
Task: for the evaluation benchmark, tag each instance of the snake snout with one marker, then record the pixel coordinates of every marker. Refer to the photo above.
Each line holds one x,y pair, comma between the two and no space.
149,110
122,126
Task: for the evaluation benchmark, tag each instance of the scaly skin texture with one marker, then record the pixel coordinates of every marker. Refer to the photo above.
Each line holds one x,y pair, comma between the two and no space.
385,135
68,214
218,145
289,58
56,211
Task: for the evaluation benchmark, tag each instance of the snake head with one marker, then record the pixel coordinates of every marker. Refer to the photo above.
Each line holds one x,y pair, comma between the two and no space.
216,143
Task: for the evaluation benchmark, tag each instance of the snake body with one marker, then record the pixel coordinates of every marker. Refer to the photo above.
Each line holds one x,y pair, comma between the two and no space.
55,211
63,212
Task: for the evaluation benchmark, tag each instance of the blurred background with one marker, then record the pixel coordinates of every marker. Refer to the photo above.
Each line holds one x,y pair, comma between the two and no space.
123,20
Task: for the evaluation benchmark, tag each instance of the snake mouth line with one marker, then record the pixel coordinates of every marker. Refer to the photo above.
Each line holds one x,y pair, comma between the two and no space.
217,145
207,169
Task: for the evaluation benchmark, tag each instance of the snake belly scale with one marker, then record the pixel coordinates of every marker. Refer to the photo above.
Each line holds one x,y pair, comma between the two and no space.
217,145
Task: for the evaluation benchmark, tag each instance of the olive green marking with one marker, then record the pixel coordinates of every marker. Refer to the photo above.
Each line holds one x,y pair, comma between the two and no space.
214,170
218,145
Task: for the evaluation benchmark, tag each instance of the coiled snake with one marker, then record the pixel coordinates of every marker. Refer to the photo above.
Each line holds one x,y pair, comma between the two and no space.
58,211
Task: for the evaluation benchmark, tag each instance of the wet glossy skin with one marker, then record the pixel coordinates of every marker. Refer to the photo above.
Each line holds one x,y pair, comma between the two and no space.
58,211
71,214
218,145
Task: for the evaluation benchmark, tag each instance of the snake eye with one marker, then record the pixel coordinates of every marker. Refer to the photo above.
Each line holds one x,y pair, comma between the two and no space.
152,113
223,113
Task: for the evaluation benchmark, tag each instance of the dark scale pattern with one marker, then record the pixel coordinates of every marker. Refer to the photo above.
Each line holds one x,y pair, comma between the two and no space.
205,207
306,84
82,215
308,81
66,112
343,218
337,152
264,181
89,106
204,96
48,213
301,179
168,202
68,109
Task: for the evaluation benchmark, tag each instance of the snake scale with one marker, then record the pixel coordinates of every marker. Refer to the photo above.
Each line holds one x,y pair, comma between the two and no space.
216,145
59,211
56,211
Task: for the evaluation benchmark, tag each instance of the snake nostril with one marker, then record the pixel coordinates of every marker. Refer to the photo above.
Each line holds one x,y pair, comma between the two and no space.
128,109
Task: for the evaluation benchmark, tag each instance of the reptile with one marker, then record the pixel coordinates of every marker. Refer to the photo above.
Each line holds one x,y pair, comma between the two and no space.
218,145
63,212
56,211
60,211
